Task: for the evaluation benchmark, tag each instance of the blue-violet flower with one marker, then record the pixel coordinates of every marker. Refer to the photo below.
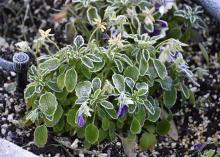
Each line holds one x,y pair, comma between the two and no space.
160,28
80,120
123,109
124,101
175,56
184,70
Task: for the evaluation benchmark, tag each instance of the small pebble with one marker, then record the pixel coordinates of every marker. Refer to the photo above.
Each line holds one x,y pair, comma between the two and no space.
13,74
10,117
3,131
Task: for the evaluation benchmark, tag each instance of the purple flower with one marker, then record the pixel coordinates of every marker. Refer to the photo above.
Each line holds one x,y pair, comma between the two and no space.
157,5
162,23
174,57
183,69
160,27
156,32
106,36
80,120
123,109
163,5
198,147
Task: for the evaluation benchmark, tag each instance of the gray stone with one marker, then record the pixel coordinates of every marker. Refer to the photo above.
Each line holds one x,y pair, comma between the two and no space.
212,6
8,149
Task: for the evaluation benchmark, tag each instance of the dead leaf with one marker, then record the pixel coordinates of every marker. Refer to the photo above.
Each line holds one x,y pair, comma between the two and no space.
59,17
173,133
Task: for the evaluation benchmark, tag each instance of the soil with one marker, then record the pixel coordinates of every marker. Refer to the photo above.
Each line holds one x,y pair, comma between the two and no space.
197,123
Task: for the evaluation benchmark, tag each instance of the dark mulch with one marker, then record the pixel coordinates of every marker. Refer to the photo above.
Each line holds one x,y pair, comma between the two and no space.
197,123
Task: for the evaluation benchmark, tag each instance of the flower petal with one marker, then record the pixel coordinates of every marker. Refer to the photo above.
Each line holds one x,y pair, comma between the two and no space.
80,120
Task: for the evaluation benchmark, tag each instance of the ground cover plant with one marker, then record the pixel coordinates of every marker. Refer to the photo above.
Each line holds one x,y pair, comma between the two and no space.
116,80
62,39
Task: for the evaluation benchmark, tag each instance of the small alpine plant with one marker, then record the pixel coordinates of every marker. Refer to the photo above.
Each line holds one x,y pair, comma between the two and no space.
114,84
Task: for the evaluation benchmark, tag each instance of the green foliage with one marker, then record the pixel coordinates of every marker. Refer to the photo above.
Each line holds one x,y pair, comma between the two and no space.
48,104
70,79
192,15
91,133
204,52
135,126
169,97
100,89
186,22
163,127
40,135
147,140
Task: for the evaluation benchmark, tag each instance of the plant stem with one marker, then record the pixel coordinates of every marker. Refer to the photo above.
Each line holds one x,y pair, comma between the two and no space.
52,42
92,34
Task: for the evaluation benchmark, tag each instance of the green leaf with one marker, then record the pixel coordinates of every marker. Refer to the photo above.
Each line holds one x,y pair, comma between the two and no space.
145,54
102,135
150,126
29,91
130,82
151,70
141,115
149,107
149,27
107,105
91,133
94,57
119,82
60,81
142,88
132,72
125,58
50,64
175,33
135,127
209,153
86,72
40,135
32,115
70,30
147,141
132,108
143,66
87,62
78,41
98,66
81,100
112,131
111,113
192,97
48,103
166,83
154,117
83,89
185,90
59,126
53,86
71,117
163,127
56,118
119,65
96,83
105,124
204,52
169,97
70,79
92,13
160,68
97,94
